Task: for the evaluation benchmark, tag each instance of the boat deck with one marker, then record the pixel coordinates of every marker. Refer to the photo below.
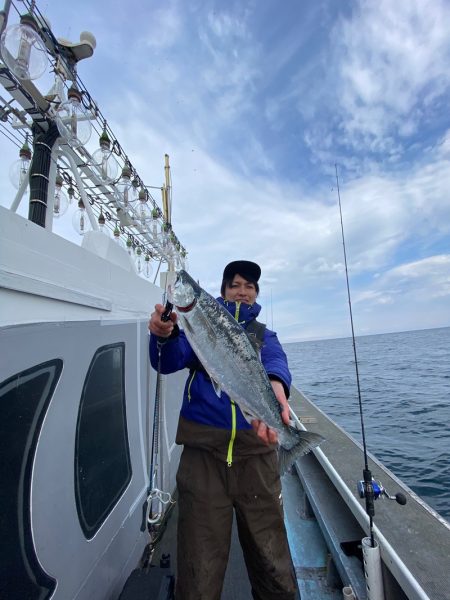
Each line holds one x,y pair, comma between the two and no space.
425,550
310,558
322,527
236,584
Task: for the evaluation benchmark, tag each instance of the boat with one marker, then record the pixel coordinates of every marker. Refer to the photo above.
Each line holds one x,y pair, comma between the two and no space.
88,498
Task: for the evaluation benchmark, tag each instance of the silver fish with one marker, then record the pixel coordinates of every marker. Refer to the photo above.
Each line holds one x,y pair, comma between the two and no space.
233,364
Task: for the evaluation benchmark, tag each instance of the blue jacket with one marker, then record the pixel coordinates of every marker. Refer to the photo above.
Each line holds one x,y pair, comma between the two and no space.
200,401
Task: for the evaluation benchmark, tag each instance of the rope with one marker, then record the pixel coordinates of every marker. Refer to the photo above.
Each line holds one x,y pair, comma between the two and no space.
154,492
155,430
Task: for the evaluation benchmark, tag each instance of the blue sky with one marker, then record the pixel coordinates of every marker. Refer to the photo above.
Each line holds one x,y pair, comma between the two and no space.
255,102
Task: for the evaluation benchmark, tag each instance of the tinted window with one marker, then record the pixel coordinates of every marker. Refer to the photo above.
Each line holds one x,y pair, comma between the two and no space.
24,400
102,460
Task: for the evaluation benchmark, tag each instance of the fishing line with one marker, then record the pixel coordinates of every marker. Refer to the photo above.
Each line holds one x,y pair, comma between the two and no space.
368,486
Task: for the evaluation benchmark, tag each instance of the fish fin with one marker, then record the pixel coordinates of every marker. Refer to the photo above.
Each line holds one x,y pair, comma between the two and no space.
206,322
216,387
248,416
305,441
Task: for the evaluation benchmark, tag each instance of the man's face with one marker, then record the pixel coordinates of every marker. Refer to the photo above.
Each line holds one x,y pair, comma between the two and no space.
241,290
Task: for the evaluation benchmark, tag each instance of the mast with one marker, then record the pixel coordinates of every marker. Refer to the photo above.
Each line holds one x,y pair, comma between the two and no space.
167,192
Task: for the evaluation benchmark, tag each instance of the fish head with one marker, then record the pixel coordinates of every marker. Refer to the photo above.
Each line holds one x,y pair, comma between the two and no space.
184,292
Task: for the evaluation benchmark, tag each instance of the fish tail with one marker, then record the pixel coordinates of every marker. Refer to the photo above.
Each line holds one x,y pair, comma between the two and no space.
304,441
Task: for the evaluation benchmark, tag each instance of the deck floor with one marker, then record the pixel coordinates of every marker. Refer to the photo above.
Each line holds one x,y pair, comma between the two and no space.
308,549
236,584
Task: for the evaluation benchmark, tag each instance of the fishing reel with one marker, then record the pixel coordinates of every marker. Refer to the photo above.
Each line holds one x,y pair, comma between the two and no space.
380,492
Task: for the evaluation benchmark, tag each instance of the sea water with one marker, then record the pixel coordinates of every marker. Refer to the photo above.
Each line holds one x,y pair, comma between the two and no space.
405,391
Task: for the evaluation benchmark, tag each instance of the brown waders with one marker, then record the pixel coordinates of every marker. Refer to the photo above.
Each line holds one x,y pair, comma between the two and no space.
209,491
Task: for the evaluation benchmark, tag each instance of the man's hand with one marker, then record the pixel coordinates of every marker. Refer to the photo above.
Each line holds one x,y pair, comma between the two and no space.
161,328
267,435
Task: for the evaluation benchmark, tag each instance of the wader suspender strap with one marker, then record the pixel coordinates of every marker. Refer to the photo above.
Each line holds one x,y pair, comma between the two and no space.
256,330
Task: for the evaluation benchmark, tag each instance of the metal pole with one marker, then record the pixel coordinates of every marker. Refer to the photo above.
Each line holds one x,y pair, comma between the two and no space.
93,221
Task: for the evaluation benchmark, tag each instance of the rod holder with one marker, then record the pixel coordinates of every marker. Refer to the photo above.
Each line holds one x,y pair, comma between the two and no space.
372,569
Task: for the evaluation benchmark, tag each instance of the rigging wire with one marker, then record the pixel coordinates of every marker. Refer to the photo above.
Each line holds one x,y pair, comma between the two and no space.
10,136
102,197
369,492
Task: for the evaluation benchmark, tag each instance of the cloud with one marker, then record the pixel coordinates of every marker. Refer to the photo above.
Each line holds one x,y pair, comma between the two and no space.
387,73
395,56
254,107
419,280
164,28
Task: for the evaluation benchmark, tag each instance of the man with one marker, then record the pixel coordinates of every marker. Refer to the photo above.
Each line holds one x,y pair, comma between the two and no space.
226,463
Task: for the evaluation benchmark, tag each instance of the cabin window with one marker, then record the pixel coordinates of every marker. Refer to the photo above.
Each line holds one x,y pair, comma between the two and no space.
24,400
102,456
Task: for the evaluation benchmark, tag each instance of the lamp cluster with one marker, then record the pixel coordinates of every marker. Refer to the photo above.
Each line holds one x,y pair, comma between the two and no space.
139,225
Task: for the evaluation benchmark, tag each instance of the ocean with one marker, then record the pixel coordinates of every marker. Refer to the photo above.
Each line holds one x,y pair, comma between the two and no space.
405,390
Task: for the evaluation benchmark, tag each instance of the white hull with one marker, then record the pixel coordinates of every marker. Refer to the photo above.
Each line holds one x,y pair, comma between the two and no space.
90,304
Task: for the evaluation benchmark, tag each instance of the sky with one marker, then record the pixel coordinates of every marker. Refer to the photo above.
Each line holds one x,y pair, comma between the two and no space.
256,102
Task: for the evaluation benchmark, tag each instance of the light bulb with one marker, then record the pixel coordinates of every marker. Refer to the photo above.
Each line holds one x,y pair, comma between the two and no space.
144,213
125,188
23,50
129,246
80,219
155,227
19,169
116,234
106,164
60,203
139,261
105,161
70,192
161,242
101,224
167,249
164,239
134,188
73,121
148,270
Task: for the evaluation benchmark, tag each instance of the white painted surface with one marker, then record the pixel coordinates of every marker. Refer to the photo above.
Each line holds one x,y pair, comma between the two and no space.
60,300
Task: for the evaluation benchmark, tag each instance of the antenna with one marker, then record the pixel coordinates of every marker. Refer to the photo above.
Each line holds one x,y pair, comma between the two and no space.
271,308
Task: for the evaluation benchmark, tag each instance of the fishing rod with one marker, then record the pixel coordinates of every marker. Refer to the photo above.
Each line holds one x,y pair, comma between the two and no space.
153,491
368,488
